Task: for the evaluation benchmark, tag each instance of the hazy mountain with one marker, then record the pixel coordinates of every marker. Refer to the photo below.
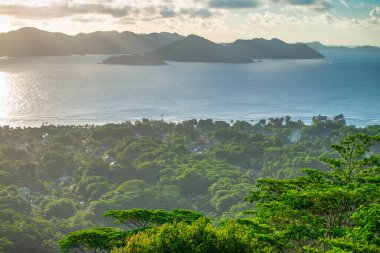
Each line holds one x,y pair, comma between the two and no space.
320,47
30,41
272,49
197,49
163,38
34,42
191,49
367,49
121,43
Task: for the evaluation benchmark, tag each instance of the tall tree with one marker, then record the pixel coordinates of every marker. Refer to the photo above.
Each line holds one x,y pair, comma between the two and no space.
313,210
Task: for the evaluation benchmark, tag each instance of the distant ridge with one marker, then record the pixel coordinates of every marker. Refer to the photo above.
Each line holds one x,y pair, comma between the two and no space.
194,48
29,41
197,49
272,49
320,47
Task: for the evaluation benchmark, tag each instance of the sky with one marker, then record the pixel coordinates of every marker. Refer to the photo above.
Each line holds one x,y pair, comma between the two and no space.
332,22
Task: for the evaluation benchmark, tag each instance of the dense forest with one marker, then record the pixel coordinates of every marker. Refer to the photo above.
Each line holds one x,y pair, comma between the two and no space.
196,186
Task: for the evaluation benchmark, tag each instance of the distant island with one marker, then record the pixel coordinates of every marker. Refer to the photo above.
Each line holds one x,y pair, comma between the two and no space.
194,48
321,47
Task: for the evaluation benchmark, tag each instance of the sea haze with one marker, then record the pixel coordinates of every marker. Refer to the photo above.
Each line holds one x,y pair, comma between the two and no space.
76,90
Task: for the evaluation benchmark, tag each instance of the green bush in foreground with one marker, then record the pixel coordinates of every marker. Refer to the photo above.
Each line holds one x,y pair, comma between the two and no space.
198,237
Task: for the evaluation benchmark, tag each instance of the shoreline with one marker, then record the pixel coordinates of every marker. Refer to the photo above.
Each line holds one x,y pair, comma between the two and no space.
36,123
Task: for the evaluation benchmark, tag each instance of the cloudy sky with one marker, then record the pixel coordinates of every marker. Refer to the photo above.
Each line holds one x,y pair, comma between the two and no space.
343,22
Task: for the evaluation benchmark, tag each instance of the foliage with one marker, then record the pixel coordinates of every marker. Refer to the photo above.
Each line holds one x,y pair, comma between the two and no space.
198,237
95,240
317,210
58,179
355,160
142,218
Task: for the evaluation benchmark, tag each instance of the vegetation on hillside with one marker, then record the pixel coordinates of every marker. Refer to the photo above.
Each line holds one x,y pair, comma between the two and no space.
274,186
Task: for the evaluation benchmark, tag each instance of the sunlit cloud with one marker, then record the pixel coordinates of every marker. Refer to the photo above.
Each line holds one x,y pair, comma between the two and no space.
62,9
318,5
234,4
168,8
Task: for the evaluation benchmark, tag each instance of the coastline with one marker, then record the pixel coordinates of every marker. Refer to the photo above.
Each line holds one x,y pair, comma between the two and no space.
62,121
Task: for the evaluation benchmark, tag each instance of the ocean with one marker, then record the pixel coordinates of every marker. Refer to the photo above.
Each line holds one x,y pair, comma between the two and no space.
76,90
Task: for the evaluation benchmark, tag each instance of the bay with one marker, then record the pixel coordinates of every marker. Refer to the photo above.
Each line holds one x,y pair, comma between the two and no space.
77,90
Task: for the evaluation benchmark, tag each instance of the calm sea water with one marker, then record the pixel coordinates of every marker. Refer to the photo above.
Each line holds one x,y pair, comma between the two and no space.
76,90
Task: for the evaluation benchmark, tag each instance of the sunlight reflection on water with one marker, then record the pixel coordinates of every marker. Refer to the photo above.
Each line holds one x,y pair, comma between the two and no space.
5,96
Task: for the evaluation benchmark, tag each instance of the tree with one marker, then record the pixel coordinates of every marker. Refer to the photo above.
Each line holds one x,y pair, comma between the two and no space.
61,208
355,157
23,233
142,218
316,209
198,237
363,235
97,240
10,198
6,245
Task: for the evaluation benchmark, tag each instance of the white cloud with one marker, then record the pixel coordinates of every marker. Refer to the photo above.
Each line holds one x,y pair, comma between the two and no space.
375,13
121,8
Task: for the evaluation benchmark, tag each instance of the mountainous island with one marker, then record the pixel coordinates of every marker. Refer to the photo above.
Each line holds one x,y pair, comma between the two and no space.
197,49
272,49
321,47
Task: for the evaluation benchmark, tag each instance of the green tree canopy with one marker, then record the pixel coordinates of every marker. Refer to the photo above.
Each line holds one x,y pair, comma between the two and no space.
97,240
141,218
313,210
